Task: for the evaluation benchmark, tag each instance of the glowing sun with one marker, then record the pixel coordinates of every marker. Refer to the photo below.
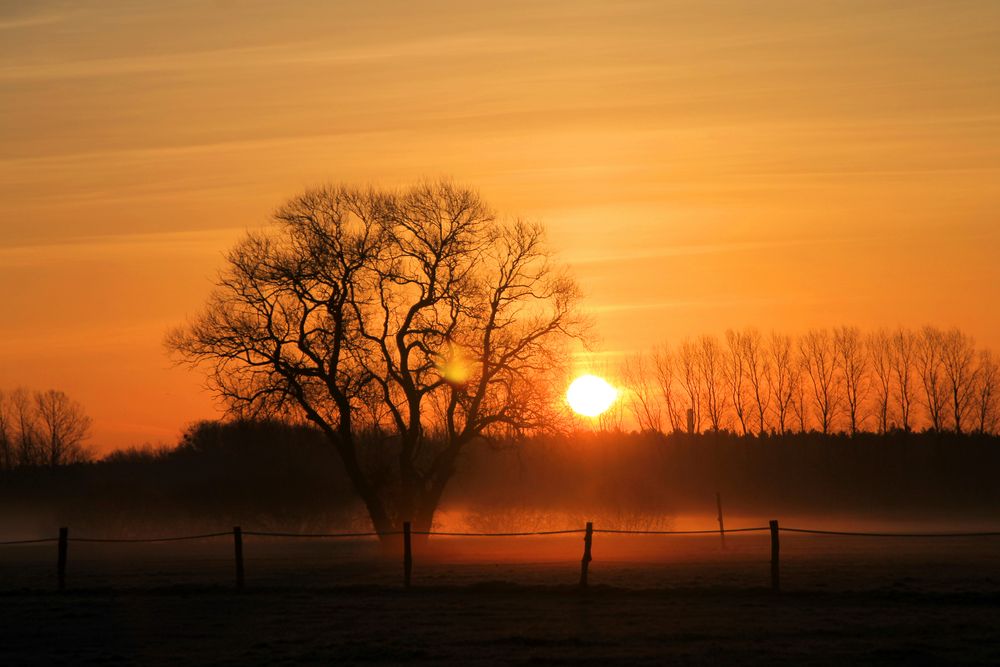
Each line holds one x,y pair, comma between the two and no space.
590,395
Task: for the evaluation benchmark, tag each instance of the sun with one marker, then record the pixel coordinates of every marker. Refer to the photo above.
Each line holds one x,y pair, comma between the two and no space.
590,395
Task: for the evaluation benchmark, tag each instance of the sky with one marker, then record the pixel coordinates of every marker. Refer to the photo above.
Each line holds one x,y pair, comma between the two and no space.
700,165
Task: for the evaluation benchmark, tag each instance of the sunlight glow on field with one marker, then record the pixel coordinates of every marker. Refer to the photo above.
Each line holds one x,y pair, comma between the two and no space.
590,395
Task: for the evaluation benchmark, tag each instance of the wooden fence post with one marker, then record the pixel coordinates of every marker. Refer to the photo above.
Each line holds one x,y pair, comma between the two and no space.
63,549
722,526
238,548
407,554
588,540
775,557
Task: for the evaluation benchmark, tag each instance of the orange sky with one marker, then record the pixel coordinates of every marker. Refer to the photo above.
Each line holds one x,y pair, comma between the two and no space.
701,164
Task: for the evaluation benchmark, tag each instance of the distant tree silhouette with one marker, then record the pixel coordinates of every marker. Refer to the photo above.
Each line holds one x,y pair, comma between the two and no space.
852,359
404,325
760,374
820,364
711,365
44,428
641,397
879,347
666,365
62,428
904,345
692,373
785,380
930,370
734,370
7,451
830,380
958,357
987,387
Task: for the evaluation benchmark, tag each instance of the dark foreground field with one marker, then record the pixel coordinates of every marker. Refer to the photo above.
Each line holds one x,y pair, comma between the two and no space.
653,600
495,624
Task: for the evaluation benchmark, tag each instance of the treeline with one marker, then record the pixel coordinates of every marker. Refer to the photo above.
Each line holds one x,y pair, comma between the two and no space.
833,381
266,474
273,475
41,428
632,479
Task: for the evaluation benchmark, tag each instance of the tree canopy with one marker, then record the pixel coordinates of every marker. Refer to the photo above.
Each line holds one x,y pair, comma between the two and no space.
404,324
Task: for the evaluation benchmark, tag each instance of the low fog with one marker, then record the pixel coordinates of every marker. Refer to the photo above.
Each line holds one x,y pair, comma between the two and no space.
271,476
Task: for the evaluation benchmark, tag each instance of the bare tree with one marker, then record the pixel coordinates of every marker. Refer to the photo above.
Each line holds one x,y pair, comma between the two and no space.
807,382
958,357
786,371
611,420
800,397
819,360
759,373
665,364
641,396
62,428
7,453
711,369
879,349
987,388
401,300
735,374
851,359
930,370
904,353
691,378
28,452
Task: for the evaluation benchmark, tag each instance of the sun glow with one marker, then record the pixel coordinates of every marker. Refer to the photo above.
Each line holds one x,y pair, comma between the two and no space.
590,395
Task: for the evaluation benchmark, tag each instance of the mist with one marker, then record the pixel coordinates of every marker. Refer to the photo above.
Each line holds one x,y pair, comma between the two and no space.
273,476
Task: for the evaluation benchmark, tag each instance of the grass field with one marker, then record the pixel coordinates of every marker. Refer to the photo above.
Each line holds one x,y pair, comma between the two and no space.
653,600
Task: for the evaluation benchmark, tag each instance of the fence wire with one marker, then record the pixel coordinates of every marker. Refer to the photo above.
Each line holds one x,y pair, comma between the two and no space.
138,540
261,533
38,541
515,534
714,531
568,531
812,531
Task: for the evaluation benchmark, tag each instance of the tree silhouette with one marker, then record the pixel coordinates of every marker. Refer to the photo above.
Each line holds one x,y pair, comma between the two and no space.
62,428
829,380
786,376
904,345
879,347
404,325
42,428
852,358
819,360
958,357
930,370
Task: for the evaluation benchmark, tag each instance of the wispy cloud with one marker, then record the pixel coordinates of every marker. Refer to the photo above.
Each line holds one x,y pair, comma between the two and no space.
31,21
274,55
679,250
92,248
687,304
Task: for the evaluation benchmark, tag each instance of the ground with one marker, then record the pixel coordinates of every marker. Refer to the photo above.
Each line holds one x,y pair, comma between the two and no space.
495,624
653,600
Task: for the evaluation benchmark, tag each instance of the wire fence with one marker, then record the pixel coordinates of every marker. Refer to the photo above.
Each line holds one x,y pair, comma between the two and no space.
407,532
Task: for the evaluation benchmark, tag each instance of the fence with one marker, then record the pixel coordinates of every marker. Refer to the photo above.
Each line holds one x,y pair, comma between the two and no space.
237,533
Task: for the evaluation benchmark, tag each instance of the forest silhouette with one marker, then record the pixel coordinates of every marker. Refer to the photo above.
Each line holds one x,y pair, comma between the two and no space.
273,475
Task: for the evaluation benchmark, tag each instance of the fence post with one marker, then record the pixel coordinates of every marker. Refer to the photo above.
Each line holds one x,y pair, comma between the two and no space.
238,548
407,555
722,526
63,549
588,540
775,557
